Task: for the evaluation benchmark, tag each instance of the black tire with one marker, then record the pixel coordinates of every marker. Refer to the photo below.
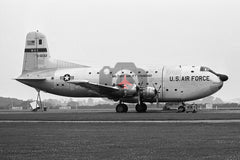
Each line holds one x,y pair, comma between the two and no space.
144,107
181,109
125,108
121,108
140,108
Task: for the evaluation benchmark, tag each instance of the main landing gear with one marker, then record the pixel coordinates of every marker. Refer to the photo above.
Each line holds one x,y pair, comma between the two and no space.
141,107
123,108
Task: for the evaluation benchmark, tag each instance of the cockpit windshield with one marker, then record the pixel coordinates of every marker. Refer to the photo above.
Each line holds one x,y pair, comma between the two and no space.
206,69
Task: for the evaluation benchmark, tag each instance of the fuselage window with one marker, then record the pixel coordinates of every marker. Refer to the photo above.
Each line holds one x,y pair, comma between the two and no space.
97,72
146,83
156,71
40,41
166,89
175,89
192,71
139,72
89,73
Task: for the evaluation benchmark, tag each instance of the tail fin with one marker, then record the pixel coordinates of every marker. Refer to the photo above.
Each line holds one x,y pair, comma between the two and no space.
37,57
36,52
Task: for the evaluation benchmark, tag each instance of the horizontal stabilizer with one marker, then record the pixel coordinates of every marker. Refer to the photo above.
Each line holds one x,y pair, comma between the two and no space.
30,79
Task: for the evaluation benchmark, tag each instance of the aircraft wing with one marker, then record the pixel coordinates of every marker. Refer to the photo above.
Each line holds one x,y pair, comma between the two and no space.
109,91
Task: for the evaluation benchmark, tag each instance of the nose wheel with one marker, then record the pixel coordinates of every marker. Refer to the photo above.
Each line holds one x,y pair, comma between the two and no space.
142,107
121,108
181,108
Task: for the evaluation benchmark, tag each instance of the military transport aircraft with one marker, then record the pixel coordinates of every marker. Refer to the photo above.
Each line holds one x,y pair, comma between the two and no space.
124,82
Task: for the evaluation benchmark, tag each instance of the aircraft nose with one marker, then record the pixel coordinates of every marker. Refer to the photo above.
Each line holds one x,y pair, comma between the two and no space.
223,77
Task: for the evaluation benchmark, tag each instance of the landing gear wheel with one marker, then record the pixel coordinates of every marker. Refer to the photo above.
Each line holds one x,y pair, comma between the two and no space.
181,109
142,107
125,108
121,108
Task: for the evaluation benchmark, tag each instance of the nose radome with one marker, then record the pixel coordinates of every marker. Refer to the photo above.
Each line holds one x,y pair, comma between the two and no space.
223,77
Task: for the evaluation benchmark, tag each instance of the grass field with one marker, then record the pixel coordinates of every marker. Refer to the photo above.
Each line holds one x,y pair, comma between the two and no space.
119,141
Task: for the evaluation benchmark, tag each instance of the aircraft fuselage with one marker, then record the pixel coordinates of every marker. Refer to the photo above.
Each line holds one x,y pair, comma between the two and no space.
174,83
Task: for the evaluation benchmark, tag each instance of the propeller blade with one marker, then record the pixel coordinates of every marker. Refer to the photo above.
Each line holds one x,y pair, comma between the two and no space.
138,90
157,95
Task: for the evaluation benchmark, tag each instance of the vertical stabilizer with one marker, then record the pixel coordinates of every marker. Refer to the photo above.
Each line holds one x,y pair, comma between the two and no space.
36,54
37,57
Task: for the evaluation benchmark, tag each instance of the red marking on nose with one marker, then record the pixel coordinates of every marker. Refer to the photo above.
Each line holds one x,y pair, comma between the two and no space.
125,82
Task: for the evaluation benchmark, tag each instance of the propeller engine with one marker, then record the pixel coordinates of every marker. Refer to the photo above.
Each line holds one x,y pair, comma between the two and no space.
148,93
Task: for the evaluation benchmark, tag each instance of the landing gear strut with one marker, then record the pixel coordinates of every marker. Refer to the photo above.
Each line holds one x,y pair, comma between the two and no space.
141,107
39,101
121,108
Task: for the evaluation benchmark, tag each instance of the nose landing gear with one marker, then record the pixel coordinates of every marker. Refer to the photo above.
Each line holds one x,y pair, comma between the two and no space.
182,108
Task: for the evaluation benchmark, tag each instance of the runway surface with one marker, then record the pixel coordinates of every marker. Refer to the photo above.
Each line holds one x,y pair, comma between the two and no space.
103,115
108,135
138,121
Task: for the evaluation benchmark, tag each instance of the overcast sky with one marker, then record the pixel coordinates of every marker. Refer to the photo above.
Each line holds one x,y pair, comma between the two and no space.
103,32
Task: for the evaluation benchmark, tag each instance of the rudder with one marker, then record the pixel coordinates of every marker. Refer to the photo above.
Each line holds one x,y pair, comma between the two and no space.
36,54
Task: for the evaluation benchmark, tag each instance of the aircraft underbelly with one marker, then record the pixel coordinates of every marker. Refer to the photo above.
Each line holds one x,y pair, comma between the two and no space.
71,90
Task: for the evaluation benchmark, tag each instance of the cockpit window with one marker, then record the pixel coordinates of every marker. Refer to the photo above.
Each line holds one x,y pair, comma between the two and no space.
204,69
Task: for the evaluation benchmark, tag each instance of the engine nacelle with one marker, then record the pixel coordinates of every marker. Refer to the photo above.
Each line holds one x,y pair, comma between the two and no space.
131,92
149,92
146,93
